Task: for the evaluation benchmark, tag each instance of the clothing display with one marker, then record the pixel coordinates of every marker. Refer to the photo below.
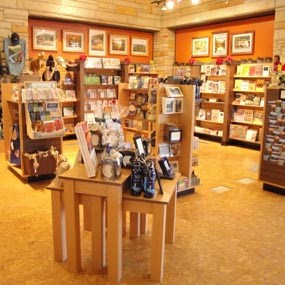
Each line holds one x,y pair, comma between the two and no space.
15,53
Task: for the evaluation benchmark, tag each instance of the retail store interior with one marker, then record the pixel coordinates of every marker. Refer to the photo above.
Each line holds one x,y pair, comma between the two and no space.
142,142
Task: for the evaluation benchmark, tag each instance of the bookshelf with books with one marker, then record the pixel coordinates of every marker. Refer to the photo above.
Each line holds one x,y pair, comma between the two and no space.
97,81
213,114
69,104
179,150
250,83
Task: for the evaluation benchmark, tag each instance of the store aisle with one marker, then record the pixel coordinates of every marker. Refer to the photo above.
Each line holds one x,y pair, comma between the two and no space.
232,235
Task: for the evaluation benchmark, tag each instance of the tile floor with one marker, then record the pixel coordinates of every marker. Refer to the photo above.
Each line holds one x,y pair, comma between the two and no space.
233,237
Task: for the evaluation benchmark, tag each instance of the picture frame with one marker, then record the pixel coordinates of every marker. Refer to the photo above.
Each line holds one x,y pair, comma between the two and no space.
173,91
168,105
44,39
97,42
72,41
242,43
200,46
174,165
178,105
119,44
220,44
139,46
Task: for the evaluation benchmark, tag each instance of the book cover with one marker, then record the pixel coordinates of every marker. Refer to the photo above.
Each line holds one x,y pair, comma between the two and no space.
249,99
258,117
265,70
256,100
260,85
239,70
252,70
221,117
237,84
238,115
251,135
258,70
215,115
238,131
251,85
248,115
244,86
245,70
201,114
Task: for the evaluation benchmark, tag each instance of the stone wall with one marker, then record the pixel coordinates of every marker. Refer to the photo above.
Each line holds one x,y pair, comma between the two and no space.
139,14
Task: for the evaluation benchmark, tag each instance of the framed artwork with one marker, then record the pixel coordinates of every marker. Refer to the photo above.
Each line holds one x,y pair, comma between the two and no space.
178,105
118,44
97,42
200,46
242,43
220,44
73,41
139,46
168,105
44,39
173,91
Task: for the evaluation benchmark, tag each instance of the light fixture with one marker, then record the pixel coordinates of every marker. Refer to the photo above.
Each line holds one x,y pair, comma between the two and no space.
169,4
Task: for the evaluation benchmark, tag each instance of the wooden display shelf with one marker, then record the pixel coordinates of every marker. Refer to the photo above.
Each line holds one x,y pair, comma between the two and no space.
249,106
246,123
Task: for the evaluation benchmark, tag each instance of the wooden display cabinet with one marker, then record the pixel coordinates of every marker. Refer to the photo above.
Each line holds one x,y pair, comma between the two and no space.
214,114
185,121
89,93
272,156
250,82
14,113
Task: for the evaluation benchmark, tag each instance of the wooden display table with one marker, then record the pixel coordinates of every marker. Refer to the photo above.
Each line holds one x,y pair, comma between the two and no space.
92,192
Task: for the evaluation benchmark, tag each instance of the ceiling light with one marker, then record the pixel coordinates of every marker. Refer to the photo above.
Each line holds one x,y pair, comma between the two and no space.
169,4
195,2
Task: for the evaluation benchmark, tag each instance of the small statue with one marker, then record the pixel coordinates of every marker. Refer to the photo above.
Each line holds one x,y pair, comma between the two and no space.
51,73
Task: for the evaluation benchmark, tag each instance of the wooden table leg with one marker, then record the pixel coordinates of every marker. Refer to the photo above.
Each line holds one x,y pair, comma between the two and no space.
98,227
158,241
134,225
114,236
171,219
71,203
143,223
58,223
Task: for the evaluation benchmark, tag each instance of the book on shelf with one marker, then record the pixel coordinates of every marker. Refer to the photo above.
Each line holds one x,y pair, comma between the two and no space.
237,84
245,70
244,86
212,86
265,70
239,70
258,70
249,99
208,115
240,99
221,117
215,115
252,70
260,85
238,131
201,114
258,117
256,100
261,102
238,115
251,135
248,115
251,85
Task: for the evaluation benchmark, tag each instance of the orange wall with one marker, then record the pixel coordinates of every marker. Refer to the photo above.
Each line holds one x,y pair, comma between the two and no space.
69,26
263,28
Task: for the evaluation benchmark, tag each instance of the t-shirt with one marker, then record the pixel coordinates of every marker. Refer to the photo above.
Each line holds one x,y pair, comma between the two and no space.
15,56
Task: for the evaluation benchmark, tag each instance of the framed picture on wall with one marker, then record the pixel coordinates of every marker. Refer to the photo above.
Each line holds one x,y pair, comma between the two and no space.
139,46
73,41
44,38
242,43
200,46
118,44
219,44
97,42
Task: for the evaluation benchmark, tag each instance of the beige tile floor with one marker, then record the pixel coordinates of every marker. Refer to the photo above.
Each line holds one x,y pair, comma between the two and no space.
230,235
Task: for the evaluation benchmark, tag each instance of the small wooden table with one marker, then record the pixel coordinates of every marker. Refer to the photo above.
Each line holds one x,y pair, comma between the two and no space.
78,188
92,192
